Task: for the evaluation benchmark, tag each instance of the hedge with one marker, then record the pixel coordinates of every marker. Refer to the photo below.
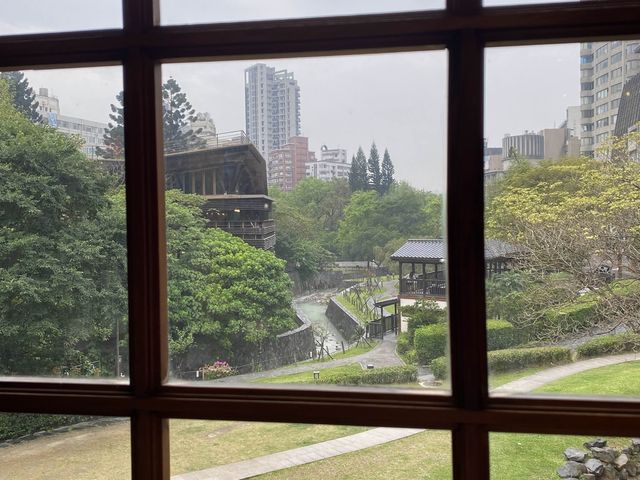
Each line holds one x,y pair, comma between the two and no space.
431,341
375,376
511,359
15,425
403,343
609,344
572,317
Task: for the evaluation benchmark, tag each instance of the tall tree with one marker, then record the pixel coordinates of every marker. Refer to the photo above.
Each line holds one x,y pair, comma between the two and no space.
114,135
22,95
177,116
373,167
387,172
358,179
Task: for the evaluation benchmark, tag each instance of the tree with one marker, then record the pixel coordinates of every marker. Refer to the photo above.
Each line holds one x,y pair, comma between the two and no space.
177,115
114,135
374,178
22,95
386,180
358,179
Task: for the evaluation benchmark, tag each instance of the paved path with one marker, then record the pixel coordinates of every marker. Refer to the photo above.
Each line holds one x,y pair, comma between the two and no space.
527,384
383,355
300,456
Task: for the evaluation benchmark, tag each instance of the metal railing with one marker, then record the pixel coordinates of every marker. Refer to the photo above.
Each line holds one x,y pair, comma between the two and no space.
425,287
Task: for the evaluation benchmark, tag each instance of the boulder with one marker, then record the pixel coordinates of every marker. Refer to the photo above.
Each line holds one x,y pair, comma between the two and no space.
575,454
571,470
607,455
587,476
594,466
621,461
596,442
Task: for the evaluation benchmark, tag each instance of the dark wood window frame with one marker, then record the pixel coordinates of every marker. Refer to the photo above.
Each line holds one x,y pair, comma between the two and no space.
465,29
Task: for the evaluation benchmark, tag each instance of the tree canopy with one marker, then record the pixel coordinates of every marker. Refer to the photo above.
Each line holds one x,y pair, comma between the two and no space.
22,95
114,135
177,115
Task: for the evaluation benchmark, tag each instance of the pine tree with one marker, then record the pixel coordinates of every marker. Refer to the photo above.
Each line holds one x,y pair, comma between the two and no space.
374,177
22,95
387,172
114,136
358,179
177,114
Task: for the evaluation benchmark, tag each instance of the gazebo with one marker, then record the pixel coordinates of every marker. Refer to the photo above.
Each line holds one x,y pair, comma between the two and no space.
422,270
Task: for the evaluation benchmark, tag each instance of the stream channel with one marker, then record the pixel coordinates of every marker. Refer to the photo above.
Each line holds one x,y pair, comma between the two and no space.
313,312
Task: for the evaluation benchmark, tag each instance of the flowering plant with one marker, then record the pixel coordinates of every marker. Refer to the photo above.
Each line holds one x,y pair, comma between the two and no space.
219,369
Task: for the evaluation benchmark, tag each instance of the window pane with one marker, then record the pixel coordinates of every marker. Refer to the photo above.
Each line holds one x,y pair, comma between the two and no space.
518,455
562,224
277,259
208,449
41,447
176,12
36,16
63,286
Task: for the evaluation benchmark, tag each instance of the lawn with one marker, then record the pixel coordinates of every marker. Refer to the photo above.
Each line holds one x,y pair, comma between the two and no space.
622,379
307,377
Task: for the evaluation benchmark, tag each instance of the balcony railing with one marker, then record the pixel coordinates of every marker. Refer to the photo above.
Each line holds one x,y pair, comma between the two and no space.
246,227
423,287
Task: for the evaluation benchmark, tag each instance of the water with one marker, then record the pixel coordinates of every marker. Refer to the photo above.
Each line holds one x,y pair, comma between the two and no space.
315,313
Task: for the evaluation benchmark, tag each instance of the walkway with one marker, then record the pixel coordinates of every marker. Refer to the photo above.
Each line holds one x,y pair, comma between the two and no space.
527,384
300,456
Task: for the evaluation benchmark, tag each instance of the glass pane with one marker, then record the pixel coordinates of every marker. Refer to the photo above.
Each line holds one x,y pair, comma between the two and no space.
176,12
562,223
63,285
284,237
518,455
43,447
36,16
208,449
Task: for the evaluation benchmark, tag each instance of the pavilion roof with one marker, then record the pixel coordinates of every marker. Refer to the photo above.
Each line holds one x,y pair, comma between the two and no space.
434,250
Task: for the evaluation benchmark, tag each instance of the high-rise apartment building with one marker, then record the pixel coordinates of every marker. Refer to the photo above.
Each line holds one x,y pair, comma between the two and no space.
604,69
287,165
272,107
331,164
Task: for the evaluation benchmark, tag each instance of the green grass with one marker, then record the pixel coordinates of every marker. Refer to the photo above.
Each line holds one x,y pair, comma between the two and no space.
499,379
622,379
351,352
307,377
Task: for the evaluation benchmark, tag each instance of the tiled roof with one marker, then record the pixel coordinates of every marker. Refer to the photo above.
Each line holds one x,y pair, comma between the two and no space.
629,109
435,249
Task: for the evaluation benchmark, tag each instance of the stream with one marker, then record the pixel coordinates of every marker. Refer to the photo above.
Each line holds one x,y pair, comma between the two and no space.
313,312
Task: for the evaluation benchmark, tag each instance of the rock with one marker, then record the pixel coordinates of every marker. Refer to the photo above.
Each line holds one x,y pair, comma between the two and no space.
597,442
609,473
594,466
631,469
587,476
575,454
607,455
621,461
571,469
635,444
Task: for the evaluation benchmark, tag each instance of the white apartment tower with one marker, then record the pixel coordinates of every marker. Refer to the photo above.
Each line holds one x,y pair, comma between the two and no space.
604,69
272,107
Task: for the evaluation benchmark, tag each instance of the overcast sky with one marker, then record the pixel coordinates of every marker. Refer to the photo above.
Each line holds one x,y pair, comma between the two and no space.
398,100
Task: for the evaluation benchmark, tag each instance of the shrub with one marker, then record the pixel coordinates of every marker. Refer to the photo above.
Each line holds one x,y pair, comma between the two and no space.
430,341
15,425
610,344
421,313
572,317
501,334
403,343
219,369
440,367
376,376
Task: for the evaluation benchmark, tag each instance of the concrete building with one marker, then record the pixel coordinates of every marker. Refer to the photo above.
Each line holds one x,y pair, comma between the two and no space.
529,145
604,69
287,165
331,164
204,128
272,107
493,164
91,132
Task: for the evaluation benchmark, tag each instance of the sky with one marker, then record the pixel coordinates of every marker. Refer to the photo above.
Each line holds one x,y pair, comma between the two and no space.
397,100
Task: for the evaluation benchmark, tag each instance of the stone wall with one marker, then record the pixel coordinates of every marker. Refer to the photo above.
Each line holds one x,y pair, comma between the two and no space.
599,462
318,281
348,325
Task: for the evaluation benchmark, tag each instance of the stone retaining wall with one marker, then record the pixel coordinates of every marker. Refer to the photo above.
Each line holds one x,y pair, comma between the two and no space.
600,462
344,321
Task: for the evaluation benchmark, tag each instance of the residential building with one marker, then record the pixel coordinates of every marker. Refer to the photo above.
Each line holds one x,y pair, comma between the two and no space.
529,145
493,168
91,132
204,128
604,69
287,165
272,107
331,164
547,144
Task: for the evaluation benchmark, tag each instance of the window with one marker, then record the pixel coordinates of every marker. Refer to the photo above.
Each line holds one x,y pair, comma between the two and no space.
616,73
468,414
616,58
603,50
604,122
586,100
602,94
600,109
602,65
602,79
616,88
615,103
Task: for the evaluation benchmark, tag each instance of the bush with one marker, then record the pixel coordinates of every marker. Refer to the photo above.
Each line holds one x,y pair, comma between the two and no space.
15,425
403,343
376,376
421,313
501,334
219,369
431,341
609,344
511,359
572,317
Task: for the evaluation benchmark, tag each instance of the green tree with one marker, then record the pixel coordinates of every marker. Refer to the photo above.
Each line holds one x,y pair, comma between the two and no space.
387,172
358,179
374,178
114,135
22,95
177,115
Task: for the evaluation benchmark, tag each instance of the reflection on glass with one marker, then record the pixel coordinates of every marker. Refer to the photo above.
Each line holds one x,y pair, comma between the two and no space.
516,455
64,446
36,16
207,449
294,244
63,285
562,222
175,12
